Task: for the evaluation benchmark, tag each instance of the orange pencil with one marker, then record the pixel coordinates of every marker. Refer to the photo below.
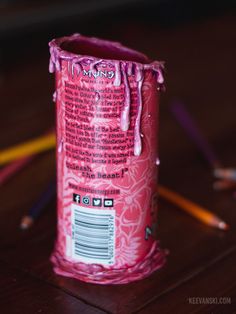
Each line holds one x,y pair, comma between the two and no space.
202,214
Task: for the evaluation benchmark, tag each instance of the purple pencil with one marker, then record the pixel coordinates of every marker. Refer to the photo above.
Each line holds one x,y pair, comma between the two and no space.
186,121
39,206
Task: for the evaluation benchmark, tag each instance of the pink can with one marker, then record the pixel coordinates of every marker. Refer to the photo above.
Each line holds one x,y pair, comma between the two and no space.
107,99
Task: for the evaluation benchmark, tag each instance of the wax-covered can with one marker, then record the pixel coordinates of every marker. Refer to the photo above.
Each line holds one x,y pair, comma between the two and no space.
107,99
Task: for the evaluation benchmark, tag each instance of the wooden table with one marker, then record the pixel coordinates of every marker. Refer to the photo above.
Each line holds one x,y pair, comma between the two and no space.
201,67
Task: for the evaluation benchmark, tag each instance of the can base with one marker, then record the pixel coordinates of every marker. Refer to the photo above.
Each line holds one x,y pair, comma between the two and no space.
94,273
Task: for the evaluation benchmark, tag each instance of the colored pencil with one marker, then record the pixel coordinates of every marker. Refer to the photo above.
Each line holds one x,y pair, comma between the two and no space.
221,185
9,170
186,121
35,211
225,173
28,148
198,212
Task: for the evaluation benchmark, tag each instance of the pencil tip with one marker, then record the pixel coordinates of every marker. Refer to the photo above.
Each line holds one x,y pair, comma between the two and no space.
26,222
223,226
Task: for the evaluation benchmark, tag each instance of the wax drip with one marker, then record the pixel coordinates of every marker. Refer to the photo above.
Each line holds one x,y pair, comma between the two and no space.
138,73
60,146
157,67
52,60
55,62
75,65
72,69
137,137
117,80
125,113
58,64
160,78
51,66
58,53
54,96
130,68
157,161
69,68
94,64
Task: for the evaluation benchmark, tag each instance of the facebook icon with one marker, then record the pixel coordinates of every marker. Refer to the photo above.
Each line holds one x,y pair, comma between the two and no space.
76,198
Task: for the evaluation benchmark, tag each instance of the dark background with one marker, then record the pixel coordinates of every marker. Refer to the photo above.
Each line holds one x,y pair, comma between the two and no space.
23,23
197,39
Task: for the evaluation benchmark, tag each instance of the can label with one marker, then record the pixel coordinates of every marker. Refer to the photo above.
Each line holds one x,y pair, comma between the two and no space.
93,235
97,167
107,130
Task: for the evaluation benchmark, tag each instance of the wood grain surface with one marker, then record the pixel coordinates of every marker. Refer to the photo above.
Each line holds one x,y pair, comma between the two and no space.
201,67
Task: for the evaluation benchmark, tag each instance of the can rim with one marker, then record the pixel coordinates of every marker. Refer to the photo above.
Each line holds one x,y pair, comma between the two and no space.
112,45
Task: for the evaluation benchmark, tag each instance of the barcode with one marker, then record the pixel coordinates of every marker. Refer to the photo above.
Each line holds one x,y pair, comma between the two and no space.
93,235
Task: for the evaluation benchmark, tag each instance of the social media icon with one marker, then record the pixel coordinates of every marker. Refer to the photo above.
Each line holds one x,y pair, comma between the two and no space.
148,232
97,202
108,202
85,200
76,198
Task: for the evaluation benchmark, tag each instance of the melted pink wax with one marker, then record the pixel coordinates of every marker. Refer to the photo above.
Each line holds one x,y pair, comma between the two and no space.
97,273
126,63
123,69
125,114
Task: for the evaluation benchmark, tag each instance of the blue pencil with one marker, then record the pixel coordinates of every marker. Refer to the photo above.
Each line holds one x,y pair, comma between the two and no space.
39,206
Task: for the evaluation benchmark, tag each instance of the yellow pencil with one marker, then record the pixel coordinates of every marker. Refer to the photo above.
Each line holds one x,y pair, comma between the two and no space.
192,209
28,148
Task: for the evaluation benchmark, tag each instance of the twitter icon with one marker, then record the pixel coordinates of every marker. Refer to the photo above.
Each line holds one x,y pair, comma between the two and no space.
97,202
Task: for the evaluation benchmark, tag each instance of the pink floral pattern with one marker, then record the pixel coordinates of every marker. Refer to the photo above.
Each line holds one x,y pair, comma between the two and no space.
135,255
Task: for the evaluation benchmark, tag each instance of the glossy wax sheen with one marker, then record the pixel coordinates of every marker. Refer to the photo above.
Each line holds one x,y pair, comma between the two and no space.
107,99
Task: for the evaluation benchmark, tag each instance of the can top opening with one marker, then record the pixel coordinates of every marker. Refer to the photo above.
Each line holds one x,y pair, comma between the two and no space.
103,49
